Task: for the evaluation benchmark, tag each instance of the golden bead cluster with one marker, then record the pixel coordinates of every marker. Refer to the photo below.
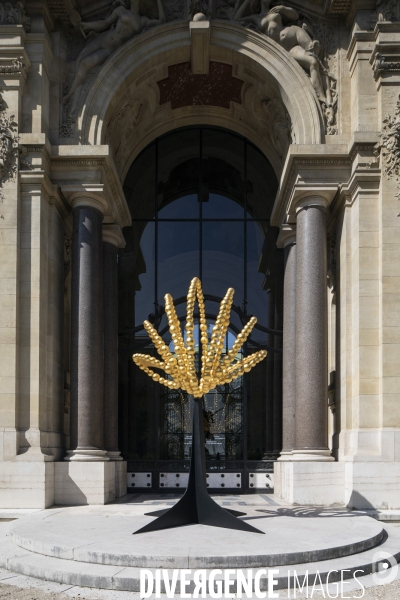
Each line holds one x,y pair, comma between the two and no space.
216,369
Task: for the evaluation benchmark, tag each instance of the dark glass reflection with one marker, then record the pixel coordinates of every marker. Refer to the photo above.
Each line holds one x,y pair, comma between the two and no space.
200,201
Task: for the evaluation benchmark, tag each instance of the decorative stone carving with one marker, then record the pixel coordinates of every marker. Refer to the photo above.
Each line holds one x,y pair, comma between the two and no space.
387,10
8,144
121,126
389,146
295,33
279,126
13,13
174,9
15,67
381,66
201,6
105,36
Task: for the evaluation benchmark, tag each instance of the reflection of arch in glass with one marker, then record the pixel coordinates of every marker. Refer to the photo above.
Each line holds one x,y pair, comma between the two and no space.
200,201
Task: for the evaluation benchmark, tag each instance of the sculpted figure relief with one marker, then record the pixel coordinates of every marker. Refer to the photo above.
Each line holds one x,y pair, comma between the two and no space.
279,22
107,35
201,6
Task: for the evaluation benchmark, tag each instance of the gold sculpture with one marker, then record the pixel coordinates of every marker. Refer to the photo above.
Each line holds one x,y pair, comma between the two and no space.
216,368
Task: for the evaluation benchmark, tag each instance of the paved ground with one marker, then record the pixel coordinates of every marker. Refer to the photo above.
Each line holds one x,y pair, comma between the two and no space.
25,588
16,587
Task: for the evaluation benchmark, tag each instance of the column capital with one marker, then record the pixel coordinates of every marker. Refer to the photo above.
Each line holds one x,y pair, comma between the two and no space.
113,235
287,235
92,199
309,195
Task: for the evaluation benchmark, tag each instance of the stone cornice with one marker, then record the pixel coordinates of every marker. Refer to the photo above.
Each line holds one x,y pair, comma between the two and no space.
35,150
33,180
306,170
360,47
385,58
89,168
308,173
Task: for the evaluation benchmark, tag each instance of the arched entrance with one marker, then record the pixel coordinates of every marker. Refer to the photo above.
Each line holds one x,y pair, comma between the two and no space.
200,200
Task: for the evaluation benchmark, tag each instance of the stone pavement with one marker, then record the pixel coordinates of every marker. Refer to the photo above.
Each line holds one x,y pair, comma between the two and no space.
22,587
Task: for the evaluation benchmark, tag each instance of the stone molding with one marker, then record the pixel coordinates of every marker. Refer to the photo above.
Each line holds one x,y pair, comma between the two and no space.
113,235
307,175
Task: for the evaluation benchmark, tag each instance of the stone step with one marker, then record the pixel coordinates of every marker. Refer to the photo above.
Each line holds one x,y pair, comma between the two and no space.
73,572
107,539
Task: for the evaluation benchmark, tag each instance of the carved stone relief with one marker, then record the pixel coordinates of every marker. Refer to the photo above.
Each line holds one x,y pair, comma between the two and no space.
122,125
201,6
13,13
311,41
278,123
389,146
8,145
382,66
103,37
386,10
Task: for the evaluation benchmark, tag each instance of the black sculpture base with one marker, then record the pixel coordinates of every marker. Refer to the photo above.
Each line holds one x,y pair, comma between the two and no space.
196,506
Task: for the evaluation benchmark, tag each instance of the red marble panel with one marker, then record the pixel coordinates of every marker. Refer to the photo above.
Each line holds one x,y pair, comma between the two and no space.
218,88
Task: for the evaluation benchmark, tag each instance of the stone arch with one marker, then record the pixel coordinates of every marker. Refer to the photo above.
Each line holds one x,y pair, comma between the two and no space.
265,69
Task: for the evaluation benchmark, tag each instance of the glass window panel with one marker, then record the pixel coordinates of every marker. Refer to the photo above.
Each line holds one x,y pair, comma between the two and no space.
256,413
186,207
178,172
141,405
262,184
139,185
221,207
145,264
256,295
223,259
178,258
223,168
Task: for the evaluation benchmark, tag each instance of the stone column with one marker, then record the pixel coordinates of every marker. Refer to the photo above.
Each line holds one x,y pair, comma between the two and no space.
287,239
112,240
311,332
87,348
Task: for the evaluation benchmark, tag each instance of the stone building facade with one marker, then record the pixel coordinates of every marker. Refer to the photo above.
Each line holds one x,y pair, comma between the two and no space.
310,88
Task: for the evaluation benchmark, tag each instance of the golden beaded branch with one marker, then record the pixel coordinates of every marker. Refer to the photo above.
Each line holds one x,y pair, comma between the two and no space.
216,368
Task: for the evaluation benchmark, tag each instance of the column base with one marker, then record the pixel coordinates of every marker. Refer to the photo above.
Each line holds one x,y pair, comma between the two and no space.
114,455
286,455
310,483
312,455
86,455
79,483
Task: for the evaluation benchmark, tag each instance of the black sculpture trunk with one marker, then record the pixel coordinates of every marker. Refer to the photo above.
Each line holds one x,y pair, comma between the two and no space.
196,506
